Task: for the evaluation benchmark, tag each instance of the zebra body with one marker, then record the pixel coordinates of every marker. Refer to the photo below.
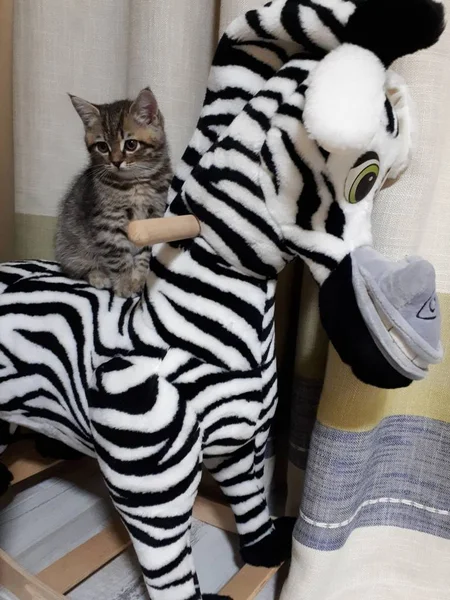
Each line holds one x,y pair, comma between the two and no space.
112,385
156,386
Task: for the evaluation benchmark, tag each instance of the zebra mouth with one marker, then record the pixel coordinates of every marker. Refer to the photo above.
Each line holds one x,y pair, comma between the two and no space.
383,317
401,344
399,305
350,335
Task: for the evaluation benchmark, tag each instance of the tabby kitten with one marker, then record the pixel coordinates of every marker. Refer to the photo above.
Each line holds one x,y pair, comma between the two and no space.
128,178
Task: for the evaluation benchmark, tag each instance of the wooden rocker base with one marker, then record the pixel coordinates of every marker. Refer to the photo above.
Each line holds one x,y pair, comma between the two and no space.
76,566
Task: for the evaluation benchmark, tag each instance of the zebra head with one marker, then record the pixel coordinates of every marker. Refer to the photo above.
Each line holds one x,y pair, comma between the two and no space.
338,138
303,123
323,173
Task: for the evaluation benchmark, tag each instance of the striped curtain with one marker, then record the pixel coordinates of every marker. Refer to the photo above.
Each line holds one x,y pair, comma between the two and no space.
369,471
6,127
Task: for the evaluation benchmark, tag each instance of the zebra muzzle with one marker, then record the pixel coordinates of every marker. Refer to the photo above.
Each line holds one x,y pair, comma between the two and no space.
383,317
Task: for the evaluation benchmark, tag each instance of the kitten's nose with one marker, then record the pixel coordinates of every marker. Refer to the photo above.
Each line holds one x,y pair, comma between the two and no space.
117,163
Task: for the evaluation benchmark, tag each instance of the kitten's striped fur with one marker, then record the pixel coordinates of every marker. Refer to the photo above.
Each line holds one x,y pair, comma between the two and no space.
127,178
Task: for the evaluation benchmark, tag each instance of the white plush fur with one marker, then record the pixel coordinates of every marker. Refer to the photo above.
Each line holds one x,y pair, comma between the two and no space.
402,101
345,99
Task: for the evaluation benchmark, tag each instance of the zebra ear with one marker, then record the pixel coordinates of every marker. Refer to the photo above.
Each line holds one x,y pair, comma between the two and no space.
403,105
345,99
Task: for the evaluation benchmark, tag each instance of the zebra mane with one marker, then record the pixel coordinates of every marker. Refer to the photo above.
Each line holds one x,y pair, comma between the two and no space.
259,43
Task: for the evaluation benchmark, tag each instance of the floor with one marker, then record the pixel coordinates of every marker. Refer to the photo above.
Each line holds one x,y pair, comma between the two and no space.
41,523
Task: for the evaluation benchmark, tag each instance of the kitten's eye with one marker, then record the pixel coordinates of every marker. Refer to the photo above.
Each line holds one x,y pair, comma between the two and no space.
102,147
131,145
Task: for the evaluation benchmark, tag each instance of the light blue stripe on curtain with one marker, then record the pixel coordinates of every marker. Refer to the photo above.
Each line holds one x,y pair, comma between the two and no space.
396,475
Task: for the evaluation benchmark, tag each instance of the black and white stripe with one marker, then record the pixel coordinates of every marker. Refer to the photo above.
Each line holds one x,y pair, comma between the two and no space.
154,387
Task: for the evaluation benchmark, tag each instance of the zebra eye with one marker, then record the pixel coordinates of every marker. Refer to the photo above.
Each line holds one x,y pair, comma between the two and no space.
362,178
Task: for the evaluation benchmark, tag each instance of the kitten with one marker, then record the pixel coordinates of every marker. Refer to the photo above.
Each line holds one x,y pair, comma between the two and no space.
128,178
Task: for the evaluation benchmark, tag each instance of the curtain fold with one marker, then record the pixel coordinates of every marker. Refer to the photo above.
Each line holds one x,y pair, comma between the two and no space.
101,51
6,138
309,368
171,45
230,9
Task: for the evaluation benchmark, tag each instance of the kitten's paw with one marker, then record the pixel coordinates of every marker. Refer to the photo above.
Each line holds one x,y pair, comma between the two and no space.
129,285
138,281
99,280
125,287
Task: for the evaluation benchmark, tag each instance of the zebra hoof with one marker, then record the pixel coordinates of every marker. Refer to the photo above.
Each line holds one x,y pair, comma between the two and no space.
5,479
274,549
48,448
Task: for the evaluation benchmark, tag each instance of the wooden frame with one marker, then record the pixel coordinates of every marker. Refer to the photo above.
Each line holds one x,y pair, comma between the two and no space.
63,575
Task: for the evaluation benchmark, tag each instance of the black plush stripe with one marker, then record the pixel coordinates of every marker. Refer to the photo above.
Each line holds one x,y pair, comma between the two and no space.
254,22
216,329
228,93
329,20
390,117
309,201
195,287
267,157
291,23
247,255
238,57
335,222
258,116
215,175
244,213
317,257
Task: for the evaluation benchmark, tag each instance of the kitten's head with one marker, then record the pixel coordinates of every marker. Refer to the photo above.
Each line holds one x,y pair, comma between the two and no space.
124,138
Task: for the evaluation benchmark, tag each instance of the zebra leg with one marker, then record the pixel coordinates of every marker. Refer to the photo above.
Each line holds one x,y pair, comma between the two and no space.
6,477
263,542
49,448
160,534
158,521
149,449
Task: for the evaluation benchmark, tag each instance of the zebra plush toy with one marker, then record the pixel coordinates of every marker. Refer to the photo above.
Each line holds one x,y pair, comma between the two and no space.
302,123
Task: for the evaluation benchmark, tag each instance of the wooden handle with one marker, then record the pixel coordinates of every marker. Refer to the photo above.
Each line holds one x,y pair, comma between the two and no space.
167,229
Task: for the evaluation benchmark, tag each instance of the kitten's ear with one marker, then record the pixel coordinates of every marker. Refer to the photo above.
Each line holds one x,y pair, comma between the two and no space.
145,108
87,112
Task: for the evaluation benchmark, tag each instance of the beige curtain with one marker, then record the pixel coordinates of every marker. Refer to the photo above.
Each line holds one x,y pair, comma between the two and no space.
100,50
6,138
351,542
411,217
